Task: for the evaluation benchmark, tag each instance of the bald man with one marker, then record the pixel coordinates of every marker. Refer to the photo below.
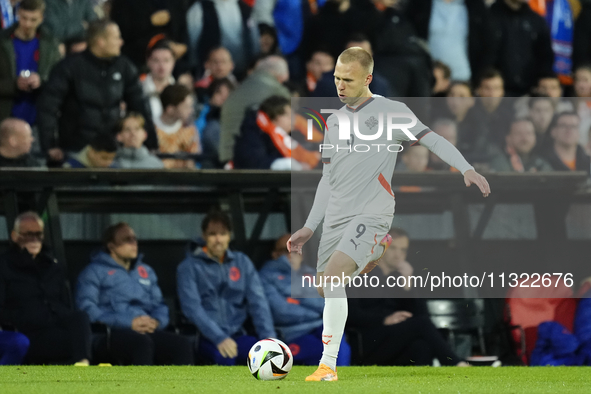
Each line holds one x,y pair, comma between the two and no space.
16,140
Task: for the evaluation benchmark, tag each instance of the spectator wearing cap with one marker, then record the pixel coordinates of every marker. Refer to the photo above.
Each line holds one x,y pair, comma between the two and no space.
83,96
27,54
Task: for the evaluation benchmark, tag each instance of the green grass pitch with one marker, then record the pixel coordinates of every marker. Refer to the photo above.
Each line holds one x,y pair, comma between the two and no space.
164,380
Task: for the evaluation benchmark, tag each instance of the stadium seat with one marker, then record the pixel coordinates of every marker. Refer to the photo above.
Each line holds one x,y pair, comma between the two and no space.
459,315
527,307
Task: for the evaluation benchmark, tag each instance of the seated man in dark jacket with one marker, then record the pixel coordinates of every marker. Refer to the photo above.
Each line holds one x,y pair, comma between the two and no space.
218,288
119,290
34,298
396,330
297,310
265,140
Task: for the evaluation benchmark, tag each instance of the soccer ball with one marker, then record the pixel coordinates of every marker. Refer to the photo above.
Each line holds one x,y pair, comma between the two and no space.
269,359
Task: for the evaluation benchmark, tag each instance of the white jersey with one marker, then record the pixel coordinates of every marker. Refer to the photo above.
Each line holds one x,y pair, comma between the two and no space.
361,170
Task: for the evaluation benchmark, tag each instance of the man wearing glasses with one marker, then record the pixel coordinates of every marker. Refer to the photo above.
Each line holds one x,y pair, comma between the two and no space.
34,299
118,289
564,152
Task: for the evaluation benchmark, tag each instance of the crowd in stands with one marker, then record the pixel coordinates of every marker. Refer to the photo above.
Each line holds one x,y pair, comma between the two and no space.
193,77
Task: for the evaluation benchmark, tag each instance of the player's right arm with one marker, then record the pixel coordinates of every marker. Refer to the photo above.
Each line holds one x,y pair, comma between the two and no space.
300,237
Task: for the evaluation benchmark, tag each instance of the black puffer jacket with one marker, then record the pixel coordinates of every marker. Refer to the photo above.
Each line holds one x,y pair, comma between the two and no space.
82,99
522,49
33,292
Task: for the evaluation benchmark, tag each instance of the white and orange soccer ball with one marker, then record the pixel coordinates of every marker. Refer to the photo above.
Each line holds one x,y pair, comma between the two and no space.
269,359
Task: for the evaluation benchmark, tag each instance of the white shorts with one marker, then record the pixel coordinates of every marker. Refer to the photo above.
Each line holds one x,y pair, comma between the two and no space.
357,238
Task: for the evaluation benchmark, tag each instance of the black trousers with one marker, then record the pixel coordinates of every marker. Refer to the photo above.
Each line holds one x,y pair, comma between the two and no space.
66,341
414,341
128,347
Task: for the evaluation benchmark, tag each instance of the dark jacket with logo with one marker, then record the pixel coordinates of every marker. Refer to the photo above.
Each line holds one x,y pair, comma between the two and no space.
33,291
82,100
110,294
217,298
48,56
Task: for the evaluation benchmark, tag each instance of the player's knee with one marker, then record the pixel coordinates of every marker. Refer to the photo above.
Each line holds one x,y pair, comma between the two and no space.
340,265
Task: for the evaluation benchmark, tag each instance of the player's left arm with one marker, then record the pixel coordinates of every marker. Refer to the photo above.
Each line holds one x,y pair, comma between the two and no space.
452,156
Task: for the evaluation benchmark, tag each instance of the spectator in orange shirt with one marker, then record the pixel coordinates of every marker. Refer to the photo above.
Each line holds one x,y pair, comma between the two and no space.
177,135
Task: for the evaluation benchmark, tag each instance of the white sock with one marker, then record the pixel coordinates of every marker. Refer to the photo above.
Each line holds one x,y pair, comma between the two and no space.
334,319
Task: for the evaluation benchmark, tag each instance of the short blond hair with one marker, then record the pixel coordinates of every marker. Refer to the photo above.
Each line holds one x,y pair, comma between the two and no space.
357,54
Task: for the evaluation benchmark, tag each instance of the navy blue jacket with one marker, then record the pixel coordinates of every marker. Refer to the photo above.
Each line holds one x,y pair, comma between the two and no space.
254,148
217,298
110,294
296,310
